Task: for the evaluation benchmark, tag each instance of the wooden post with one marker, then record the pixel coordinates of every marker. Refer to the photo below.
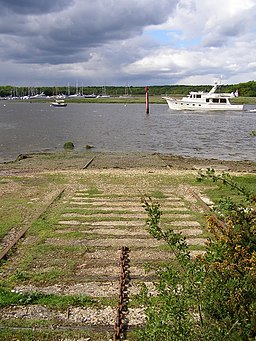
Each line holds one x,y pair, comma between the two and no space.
147,101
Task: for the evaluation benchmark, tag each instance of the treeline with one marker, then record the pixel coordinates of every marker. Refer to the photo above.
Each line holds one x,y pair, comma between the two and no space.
247,89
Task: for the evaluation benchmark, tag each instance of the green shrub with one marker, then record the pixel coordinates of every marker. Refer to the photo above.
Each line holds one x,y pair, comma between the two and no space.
212,296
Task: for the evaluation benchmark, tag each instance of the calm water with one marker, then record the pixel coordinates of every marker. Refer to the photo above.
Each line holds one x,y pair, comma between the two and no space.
36,127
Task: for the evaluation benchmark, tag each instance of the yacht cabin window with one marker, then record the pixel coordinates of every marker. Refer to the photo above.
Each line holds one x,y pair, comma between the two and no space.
223,100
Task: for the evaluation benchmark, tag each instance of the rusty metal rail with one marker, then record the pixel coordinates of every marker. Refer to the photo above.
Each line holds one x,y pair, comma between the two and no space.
20,234
121,323
208,209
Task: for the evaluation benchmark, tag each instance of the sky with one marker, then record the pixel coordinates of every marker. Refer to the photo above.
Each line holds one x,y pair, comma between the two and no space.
127,42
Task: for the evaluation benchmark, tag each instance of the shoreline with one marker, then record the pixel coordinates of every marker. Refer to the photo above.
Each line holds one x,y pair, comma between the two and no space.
73,160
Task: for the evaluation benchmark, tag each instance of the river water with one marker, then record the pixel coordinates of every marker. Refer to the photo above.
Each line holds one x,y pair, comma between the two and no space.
38,127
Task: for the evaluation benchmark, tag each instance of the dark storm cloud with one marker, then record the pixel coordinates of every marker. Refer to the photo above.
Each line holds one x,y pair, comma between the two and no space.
32,6
39,34
120,41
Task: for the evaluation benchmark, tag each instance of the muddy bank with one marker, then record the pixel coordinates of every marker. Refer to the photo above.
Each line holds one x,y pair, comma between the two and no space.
104,160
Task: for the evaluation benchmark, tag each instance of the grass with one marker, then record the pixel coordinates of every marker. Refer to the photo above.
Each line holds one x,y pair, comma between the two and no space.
243,100
158,195
92,192
12,297
52,333
23,199
221,191
46,264
130,100
7,223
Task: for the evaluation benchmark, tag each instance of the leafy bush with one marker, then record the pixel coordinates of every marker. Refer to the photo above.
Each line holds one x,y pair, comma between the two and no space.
212,296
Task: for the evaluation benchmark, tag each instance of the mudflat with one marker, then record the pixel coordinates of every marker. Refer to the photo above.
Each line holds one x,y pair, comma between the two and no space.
72,160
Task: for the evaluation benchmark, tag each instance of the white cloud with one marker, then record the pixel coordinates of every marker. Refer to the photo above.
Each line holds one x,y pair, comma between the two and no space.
204,43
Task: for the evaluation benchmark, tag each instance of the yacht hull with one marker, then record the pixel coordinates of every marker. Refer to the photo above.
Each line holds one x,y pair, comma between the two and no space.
176,104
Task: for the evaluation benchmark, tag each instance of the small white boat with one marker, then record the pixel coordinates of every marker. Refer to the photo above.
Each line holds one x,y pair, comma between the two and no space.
90,96
103,94
59,103
38,96
77,95
199,100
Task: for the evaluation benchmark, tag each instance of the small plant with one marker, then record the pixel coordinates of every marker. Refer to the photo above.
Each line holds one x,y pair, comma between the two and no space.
69,145
253,133
20,276
171,314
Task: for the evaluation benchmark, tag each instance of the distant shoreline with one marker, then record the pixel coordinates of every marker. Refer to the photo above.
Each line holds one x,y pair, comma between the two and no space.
153,99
